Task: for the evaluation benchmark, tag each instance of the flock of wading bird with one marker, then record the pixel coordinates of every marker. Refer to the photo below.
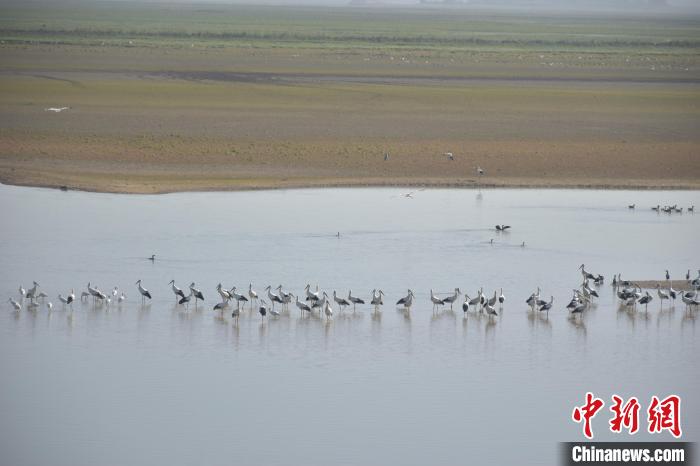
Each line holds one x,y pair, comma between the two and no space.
629,293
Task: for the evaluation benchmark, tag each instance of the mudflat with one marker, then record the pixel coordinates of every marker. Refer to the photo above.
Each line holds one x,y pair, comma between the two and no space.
230,106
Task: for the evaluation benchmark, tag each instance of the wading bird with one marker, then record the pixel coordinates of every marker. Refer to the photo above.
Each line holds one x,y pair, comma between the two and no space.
197,294
436,301
547,306
252,294
15,304
451,299
177,291
342,302
646,299
355,301
302,306
144,292
377,300
327,309
262,310
273,297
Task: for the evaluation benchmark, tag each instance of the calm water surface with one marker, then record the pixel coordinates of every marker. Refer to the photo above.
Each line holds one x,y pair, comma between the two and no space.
162,385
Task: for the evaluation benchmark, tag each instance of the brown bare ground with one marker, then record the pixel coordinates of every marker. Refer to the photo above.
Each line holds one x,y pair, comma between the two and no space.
152,131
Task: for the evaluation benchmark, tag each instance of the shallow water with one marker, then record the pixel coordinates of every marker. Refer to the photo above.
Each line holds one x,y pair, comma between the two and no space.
159,384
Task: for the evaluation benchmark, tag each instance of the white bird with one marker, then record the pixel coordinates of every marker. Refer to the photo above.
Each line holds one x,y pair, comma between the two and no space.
465,304
177,291
480,171
252,294
449,155
15,304
49,306
122,297
327,309
22,292
662,294
144,292
56,109
71,296
42,296
115,292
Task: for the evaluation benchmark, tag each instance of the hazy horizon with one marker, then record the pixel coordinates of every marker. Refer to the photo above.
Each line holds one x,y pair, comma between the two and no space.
602,6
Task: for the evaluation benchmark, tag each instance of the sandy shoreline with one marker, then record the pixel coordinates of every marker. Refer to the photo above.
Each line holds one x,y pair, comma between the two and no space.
194,186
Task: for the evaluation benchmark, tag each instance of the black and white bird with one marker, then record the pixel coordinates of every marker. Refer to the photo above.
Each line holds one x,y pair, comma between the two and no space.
273,297
490,310
452,298
197,293
406,301
262,310
502,227
177,291
302,306
465,304
436,301
646,299
548,305
354,300
238,297
377,299
342,302
144,292
223,292
502,298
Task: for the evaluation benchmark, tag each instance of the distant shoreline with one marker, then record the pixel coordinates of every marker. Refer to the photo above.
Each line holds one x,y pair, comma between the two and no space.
193,187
